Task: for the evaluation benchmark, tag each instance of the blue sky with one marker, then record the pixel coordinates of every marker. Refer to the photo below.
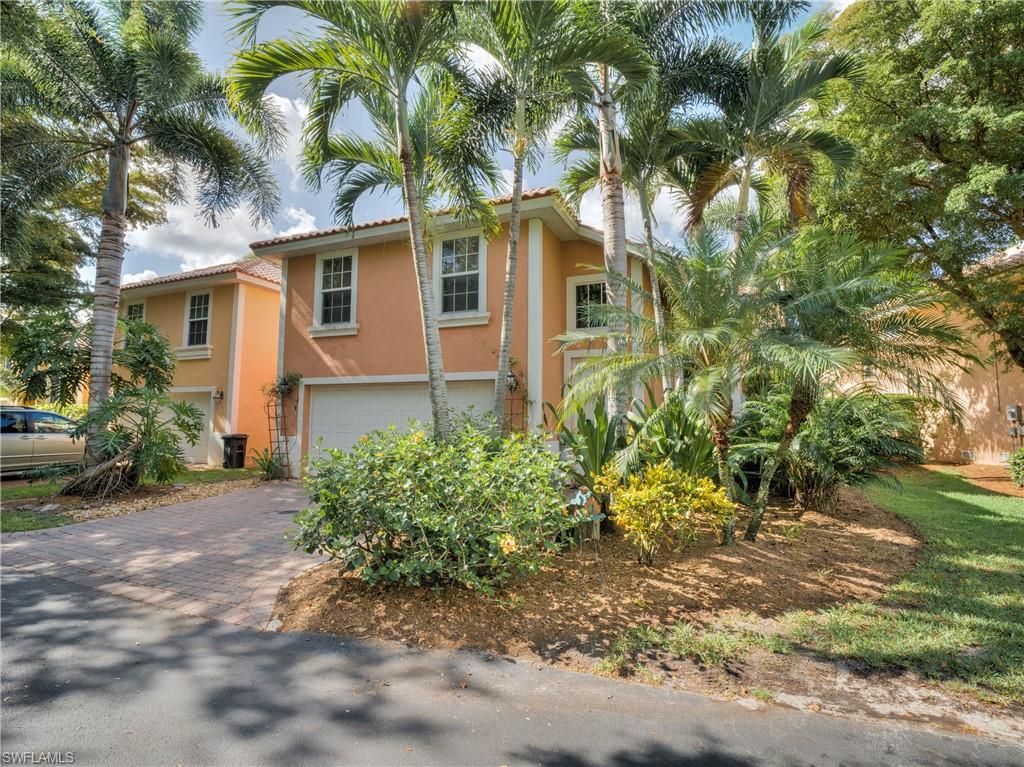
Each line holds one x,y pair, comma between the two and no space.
185,242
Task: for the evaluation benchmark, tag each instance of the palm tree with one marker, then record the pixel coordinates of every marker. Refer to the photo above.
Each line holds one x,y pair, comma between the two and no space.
115,80
858,300
538,48
355,165
652,146
715,300
373,52
760,129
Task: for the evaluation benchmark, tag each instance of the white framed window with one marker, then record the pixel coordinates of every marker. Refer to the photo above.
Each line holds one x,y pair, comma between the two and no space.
334,301
581,293
135,311
198,308
460,278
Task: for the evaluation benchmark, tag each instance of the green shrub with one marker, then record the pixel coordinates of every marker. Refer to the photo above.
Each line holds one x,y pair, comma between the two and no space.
851,440
1017,466
663,503
400,507
668,433
266,464
592,443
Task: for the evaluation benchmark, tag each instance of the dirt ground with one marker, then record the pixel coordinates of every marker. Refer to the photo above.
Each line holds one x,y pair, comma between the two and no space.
140,499
570,613
993,478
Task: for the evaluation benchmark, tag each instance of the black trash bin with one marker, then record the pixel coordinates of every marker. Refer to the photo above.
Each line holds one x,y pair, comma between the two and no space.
234,450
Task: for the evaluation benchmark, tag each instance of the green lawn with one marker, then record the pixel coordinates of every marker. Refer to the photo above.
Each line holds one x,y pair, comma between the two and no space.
958,616
12,520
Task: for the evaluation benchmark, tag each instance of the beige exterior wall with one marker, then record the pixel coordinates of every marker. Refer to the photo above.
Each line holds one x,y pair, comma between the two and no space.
985,391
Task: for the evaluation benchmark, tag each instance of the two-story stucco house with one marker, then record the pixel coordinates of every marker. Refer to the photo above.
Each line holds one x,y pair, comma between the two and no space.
350,322
223,324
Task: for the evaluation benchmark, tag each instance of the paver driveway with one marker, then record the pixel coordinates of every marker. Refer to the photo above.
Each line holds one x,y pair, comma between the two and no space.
224,557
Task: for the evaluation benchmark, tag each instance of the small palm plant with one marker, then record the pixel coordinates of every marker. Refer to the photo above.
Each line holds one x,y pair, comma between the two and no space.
834,292
112,81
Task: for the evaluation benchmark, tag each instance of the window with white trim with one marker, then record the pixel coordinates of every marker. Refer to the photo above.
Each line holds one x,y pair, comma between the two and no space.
198,327
336,290
588,294
460,274
135,312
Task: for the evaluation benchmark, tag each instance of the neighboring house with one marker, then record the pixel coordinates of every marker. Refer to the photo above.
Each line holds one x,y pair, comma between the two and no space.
223,323
986,391
350,319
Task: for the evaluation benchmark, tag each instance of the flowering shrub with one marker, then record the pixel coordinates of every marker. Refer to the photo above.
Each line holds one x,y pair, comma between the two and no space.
662,503
400,507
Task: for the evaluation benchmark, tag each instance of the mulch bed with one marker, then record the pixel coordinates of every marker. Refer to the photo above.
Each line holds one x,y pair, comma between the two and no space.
140,499
571,612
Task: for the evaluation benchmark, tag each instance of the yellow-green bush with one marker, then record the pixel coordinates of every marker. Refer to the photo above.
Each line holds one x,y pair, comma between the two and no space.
662,503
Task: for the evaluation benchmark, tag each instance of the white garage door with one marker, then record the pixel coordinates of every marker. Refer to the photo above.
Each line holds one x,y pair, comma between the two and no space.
196,453
342,414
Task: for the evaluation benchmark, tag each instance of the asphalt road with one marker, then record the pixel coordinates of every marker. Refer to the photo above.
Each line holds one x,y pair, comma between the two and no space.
121,683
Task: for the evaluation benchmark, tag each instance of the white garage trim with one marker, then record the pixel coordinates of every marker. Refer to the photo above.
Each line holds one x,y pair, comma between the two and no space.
535,319
301,426
214,441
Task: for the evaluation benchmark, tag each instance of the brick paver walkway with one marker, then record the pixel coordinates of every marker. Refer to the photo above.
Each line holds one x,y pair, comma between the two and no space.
224,557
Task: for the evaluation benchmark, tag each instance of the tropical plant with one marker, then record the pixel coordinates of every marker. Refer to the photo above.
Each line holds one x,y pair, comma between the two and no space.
651,146
762,127
714,300
940,147
857,308
666,432
109,81
538,51
139,428
592,438
403,507
662,502
1016,464
375,53
848,441
266,463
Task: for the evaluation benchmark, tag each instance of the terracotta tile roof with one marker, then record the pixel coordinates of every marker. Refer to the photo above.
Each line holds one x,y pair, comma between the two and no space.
529,194
254,267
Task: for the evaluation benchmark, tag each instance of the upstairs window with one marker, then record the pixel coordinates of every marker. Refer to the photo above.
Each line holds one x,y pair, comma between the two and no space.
198,325
587,295
460,275
336,290
135,312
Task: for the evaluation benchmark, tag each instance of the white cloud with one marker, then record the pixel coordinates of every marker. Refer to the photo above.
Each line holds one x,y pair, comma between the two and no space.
478,58
668,221
185,237
145,274
295,112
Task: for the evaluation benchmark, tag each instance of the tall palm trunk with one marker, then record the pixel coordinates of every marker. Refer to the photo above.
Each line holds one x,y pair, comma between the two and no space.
800,405
659,308
107,290
428,314
742,206
511,262
613,211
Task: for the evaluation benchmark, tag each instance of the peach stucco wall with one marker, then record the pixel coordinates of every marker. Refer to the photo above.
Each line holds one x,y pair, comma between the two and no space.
390,337
257,340
255,350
